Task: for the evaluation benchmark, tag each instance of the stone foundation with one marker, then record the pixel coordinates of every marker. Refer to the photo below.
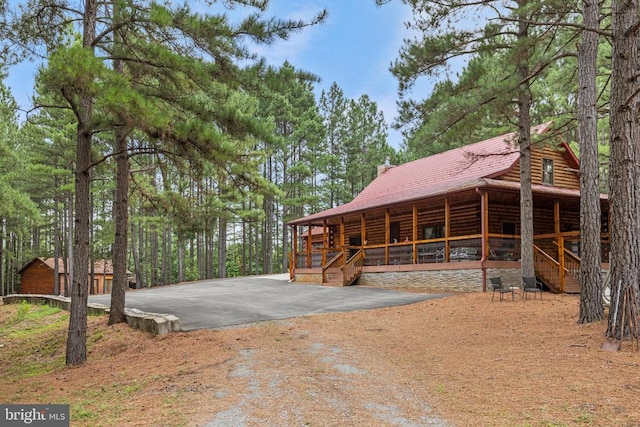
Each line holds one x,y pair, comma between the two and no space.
469,280
310,278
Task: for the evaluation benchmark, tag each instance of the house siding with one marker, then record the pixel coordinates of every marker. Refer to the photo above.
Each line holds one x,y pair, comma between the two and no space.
37,279
564,175
472,195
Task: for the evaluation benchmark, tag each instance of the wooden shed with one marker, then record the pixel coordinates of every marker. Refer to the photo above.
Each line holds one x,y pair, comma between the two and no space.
456,211
38,275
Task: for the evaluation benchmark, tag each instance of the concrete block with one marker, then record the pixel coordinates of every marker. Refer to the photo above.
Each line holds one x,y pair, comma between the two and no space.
155,323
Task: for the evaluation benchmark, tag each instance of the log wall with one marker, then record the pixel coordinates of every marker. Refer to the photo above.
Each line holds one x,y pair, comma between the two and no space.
37,279
563,175
500,214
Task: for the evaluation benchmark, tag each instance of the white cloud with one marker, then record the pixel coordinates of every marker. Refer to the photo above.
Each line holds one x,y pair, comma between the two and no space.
299,42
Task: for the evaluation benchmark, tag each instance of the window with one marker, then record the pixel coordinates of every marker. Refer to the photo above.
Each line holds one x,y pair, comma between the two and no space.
355,240
433,232
394,232
509,228
547,171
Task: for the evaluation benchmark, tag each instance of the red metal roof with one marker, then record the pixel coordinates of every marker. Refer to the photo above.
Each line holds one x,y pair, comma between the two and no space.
100,266
457,169
51,263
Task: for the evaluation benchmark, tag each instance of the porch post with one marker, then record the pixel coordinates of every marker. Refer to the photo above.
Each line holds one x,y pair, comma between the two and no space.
294,258
341,231
309,244
447,228
363,229
415,234
325,241
387,236
484,231
559,241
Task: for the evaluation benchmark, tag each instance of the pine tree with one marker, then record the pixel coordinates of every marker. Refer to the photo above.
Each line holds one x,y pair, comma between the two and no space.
523,31
333,107
591,305
18,212
181,87
624,169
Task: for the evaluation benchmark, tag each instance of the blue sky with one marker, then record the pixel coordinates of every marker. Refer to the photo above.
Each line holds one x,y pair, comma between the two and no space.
354,48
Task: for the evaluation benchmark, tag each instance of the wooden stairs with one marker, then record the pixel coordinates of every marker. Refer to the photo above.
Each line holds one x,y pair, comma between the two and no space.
342,270
559,273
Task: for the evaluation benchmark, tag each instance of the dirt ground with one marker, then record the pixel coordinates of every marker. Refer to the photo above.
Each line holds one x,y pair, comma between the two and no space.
463,360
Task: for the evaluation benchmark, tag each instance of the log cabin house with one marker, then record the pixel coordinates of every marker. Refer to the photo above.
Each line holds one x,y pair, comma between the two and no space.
451,220
38,275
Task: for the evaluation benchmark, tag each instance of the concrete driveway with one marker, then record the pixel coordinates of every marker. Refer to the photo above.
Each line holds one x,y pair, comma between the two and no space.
213,304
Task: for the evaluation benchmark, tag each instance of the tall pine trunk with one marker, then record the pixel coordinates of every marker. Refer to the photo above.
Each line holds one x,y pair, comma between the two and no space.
77,336
222,247
524,141
591,306
68,257
625,137
57,241
136,258
180,254
121,224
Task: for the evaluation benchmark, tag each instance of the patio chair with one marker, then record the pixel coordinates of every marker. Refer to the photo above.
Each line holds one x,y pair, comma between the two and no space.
531,285
496,284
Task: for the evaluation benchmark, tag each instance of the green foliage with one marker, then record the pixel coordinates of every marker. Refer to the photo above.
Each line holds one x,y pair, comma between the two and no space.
214,136
355,144
28,312
365,145
17,209
478,100
73,71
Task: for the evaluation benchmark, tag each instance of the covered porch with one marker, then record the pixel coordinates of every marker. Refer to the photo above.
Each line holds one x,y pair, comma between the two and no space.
470,229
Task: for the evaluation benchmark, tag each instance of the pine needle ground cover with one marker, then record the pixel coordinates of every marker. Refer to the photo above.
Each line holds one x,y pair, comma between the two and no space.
459,361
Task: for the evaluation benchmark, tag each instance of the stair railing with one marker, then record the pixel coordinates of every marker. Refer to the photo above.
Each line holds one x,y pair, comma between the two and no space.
547,269
333,267
571,263
347,271
353,268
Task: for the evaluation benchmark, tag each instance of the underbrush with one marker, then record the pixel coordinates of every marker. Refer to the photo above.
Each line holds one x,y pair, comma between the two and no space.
33,338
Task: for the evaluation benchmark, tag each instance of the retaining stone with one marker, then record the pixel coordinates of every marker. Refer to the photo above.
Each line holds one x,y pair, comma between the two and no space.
155,323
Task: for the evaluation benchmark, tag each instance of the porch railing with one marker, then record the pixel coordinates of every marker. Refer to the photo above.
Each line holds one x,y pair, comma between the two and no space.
547,269
353,268
333,268
504,248
303,260
461,248
424,252
339,271
571,263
